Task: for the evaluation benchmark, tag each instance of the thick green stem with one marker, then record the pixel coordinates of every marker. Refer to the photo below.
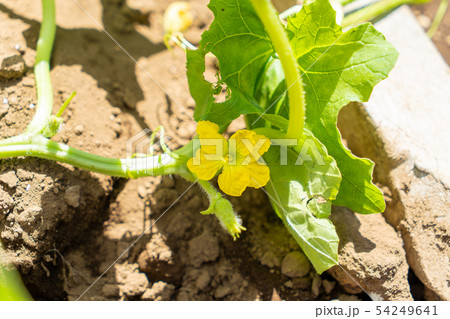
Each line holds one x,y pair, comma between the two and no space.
11,285
41,147
268,16
42,69
376,10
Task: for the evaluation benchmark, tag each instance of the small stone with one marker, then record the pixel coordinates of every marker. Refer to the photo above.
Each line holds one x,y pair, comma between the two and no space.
72,196
32,106
160,291
111,291
295,264
5,100
12,67
10,179
79,129
328,286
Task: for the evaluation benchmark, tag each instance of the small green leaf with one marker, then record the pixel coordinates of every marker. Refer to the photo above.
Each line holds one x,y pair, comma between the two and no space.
301,191
339,68
242,47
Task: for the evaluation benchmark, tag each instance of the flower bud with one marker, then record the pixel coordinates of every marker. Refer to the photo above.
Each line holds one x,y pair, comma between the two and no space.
178,17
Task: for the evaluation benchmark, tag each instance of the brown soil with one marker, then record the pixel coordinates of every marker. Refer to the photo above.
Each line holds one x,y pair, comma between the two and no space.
425,15
64,227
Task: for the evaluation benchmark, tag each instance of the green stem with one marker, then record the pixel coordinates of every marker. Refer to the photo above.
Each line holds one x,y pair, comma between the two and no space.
42,69
41,147
438,18
376,10
280,40
11,285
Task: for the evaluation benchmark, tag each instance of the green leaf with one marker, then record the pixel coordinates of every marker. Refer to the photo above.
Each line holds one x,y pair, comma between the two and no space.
242,47
301,193
338,68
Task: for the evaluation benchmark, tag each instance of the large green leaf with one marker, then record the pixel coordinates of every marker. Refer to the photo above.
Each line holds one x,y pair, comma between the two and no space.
242,47
338,68
301,192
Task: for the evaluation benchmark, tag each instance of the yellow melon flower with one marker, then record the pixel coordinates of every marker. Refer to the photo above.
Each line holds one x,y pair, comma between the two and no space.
237,158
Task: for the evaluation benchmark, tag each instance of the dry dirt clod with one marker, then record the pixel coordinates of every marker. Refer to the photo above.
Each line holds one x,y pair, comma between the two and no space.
6,202
295,264
202,249
135,284
160,291
10,179
157,261
72,196
12,67
29,215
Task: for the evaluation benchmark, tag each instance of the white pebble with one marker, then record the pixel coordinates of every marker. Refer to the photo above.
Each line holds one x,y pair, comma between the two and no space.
31,106
28,187
5,101
17,47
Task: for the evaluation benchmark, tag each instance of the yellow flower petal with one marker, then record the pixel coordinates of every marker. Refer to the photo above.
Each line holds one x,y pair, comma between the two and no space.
248,143
234,180
259,174
211,141
204,168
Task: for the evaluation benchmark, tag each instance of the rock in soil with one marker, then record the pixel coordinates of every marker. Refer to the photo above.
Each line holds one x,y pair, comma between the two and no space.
72,196
371,256
295,264
404,129
12,67
160,291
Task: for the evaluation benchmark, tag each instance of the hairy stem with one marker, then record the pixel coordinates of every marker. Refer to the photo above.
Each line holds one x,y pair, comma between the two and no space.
42,69
280,40
41,147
